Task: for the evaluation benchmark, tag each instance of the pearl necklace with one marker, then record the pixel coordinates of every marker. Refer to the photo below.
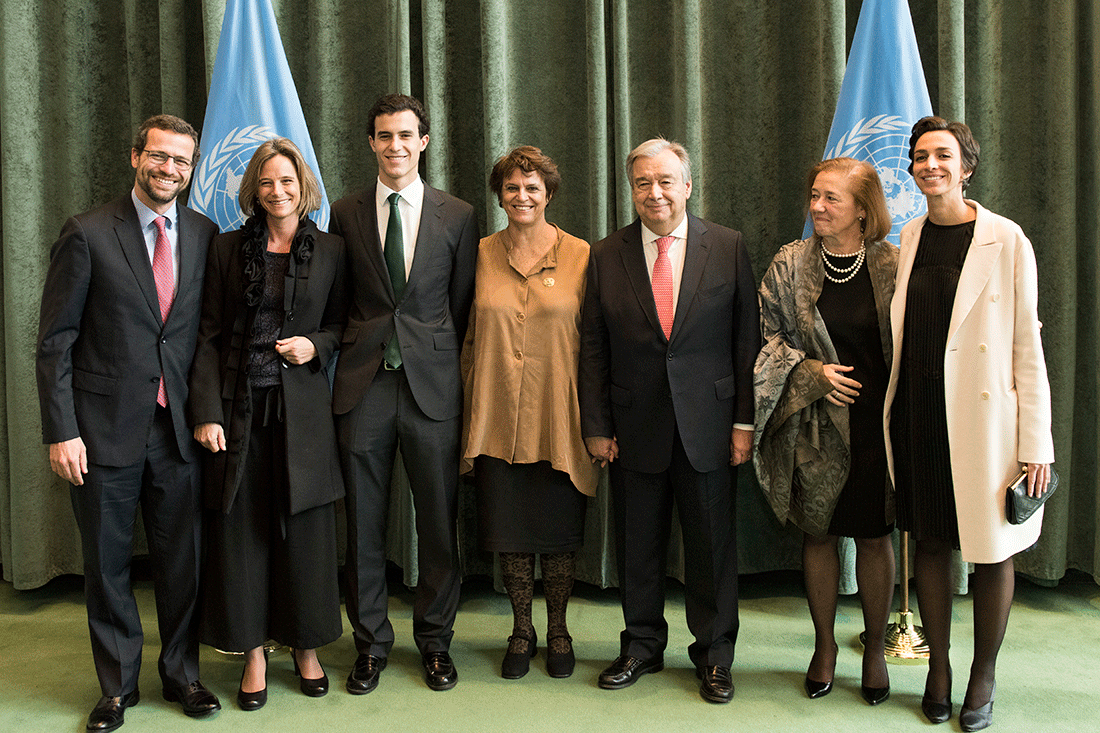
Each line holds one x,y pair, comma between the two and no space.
850,271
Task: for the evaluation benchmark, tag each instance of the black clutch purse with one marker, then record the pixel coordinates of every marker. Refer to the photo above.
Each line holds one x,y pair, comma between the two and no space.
1018,505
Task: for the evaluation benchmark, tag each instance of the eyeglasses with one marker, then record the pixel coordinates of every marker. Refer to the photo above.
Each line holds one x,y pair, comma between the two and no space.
160,158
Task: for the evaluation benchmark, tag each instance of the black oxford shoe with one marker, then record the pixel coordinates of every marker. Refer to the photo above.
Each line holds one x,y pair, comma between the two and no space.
196,700
108,712
439,671
626,670
717,684
364,675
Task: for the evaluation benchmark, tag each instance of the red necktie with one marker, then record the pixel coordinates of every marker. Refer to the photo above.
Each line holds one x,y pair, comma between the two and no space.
662,284
166,287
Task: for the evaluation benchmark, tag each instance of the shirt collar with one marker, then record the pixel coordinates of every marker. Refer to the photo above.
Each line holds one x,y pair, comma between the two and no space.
413,194
146,216
680,232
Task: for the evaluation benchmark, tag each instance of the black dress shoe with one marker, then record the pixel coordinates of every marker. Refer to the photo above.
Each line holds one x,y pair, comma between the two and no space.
971,719
626,670
937,711
439,671
196,700
560,664
717,684
874,695
517,664
816,689
364,675
316,687
108,712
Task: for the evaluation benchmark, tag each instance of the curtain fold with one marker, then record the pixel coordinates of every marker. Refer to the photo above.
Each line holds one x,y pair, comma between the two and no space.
750,88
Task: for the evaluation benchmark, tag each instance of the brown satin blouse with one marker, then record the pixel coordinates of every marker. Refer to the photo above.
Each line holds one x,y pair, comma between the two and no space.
519,361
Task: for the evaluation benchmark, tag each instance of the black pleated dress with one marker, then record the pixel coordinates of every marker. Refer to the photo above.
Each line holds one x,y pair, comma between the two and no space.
918,425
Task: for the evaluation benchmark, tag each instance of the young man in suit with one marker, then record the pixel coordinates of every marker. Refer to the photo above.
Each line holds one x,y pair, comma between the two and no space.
670,332
412,251
117,331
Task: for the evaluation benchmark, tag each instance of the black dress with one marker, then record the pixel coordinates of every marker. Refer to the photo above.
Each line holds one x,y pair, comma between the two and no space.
918,426
851,318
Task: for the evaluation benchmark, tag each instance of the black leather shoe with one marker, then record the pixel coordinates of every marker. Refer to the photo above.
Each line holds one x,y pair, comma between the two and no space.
816,689
717,684
874,695
560,664
108,713
251,700
517,664
364,675
971,719
937,711
626,670
316,687
439,671
196,700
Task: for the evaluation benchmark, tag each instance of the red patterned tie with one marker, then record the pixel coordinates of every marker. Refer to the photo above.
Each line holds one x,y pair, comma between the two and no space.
166,287
662,284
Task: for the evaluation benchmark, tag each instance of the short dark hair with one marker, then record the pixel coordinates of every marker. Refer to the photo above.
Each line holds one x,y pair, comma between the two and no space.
309,191
528,159
169,123
866,189
391,104
968,146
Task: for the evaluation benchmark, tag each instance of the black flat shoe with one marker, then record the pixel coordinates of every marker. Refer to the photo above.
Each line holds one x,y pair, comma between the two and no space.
517,664
816,689
980,718
109,713
937,711
717,683
439,671
316,687
626,670
364,675
194,698
874,695
560,664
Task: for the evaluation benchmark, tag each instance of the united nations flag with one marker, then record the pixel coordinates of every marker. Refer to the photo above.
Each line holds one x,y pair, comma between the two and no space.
252,99
882,95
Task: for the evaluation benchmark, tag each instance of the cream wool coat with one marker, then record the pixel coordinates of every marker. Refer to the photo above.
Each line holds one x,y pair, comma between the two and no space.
997,394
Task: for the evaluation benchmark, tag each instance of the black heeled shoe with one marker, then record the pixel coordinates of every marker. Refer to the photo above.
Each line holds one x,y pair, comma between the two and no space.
971,719
252,700
317,687
560,664
874,695
937,711
815,689
517,664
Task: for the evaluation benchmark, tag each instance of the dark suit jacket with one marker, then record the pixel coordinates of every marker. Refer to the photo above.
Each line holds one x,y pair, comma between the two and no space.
315,303
101,342
431,317
639,386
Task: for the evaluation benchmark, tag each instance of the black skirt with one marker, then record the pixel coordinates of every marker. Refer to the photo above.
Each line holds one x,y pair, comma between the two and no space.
527,507
267,574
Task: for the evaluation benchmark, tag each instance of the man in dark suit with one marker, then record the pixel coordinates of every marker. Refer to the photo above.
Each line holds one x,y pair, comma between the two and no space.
669,334
119,316
412,251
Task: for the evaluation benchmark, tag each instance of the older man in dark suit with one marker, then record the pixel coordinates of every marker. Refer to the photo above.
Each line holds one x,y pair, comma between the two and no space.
412,250
669,334
119,316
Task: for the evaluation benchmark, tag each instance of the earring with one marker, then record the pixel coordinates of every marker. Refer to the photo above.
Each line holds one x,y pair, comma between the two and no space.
862,225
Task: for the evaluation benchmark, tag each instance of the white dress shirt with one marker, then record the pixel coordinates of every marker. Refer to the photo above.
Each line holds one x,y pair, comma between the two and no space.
410,205
147,217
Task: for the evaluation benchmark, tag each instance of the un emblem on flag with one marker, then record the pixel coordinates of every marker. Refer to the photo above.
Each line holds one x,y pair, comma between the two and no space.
218,178
883,141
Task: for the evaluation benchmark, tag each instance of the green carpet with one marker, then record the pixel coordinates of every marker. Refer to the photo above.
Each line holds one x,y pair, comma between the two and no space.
1048,674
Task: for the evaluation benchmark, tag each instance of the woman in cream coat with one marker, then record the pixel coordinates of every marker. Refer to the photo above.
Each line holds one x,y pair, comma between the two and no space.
967,289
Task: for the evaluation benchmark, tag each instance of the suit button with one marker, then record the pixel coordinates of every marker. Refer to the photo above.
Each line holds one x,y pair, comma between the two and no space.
164,341
521,317
285,365
995,297
982,348
985,395
670,356
154,379
519,356
397,312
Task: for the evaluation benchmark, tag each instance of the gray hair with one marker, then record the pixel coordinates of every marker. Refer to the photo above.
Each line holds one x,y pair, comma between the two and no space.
656,146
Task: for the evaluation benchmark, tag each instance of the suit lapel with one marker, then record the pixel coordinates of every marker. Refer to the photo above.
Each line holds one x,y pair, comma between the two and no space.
978,266
637,273
695,260
366,217
132,242
431,225
189,252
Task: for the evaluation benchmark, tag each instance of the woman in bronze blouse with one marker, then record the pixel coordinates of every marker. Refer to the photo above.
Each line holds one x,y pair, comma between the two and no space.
522,419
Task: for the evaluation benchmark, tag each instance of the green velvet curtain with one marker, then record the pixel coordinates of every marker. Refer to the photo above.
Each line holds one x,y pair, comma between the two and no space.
748,85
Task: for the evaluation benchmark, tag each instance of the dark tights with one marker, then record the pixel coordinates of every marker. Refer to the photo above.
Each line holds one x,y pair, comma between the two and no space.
875,577
993,586
518,573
